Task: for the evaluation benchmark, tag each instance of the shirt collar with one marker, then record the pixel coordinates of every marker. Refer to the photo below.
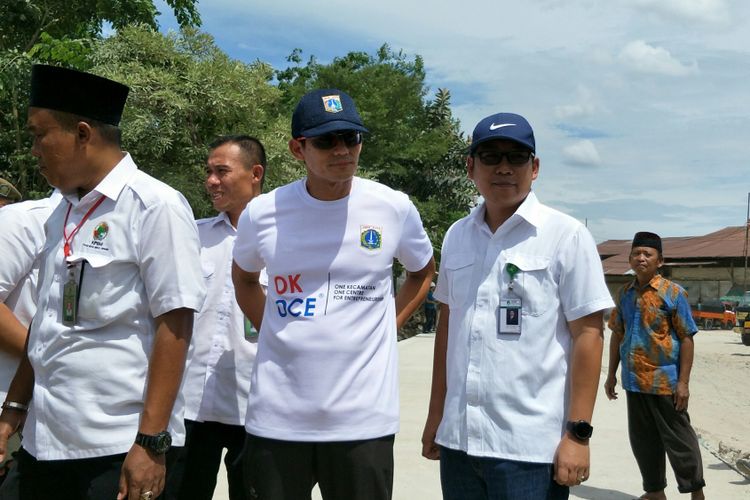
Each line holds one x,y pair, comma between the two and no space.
112,184
529,210
654,282
222,218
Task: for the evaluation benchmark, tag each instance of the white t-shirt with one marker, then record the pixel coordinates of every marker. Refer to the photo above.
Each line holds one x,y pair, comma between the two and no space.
327,361
222,351
142,260
22,239
507,392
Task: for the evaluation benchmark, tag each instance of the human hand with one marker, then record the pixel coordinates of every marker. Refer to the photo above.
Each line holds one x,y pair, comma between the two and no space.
142,472
572,460
609,387
430,448
681,396
11,421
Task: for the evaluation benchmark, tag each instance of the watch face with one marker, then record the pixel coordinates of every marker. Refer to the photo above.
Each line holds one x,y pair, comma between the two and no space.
163,442
582,430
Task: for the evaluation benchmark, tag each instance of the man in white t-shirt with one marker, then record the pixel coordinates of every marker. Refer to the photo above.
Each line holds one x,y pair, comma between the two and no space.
323,404
119,281
519,341
223,347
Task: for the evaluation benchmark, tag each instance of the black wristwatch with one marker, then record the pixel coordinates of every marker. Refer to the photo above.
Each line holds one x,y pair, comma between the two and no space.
580,429
158,443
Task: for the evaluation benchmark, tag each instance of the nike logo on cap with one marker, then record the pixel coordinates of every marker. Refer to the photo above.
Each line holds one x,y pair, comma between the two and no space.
501,125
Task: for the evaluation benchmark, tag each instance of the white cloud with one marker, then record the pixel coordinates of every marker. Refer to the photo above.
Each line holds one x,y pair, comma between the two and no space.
585,105
644,58
582,153
703,11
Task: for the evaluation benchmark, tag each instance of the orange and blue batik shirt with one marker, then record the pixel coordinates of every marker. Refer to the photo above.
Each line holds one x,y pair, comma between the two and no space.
651,322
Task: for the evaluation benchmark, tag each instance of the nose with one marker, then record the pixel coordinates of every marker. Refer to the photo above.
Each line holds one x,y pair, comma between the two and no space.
212,180
340,148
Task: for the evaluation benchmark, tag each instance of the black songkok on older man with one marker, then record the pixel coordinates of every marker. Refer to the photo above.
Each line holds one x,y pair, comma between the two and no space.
78,93
645,239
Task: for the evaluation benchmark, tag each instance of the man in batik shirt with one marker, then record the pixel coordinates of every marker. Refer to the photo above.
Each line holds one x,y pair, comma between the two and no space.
652,333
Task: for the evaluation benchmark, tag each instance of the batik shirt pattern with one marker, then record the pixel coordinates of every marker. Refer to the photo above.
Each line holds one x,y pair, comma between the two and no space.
651,322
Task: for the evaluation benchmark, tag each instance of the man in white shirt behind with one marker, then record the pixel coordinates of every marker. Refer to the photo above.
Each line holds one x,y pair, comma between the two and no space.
519,341
223,347
21,240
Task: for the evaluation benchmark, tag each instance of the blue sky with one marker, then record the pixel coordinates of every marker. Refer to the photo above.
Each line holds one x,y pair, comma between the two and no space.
641,108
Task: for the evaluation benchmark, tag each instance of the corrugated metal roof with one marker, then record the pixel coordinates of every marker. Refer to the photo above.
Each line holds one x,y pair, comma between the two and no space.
725,243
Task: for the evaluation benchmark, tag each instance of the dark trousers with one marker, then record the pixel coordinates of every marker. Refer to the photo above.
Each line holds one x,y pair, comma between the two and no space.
656,428
78,479
466,477
429,320
346,470
205,442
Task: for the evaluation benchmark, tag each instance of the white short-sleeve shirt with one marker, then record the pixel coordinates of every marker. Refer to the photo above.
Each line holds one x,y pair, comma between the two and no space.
22,240
327,361
507,393
222,350
142,259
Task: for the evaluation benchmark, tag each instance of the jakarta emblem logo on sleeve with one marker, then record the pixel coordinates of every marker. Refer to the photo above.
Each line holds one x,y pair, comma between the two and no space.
332,103
370,237
101,231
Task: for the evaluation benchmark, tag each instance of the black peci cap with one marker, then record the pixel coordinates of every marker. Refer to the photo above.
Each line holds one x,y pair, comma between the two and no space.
78,93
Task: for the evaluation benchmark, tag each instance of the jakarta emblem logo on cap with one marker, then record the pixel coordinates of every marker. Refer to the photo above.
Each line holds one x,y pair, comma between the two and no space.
370,237
101,231
332,103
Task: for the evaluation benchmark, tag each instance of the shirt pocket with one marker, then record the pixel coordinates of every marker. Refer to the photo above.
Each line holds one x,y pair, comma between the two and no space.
99,291
459,268
534,283
208,269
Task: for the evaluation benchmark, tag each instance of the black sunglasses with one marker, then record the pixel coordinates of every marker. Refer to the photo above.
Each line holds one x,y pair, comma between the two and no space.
496,157
350,138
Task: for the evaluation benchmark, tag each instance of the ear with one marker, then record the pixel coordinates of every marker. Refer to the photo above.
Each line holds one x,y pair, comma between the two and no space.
470,167
296,148
84,133
534,168
258,172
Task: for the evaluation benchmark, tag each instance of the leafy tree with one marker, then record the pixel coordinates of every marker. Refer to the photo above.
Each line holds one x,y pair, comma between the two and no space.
184,92
60,32
22,22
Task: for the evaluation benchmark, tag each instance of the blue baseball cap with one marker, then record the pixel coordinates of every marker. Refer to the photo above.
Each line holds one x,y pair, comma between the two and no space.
507,126
323,111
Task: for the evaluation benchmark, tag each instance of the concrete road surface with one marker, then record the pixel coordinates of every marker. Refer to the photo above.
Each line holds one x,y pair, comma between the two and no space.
719,408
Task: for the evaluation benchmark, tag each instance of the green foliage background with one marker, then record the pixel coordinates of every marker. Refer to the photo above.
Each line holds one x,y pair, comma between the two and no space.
185,91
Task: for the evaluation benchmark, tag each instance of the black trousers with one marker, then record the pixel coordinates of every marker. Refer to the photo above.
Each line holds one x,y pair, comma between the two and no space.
204,445
429,320
656,428
78,479
345,470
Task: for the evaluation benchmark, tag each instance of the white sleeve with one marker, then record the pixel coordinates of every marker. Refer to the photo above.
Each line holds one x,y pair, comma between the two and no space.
19,245
246,251
170,264
582,287
414,249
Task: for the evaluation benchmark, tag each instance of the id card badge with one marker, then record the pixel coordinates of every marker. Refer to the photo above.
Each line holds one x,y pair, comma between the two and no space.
509,316
251,334
70,297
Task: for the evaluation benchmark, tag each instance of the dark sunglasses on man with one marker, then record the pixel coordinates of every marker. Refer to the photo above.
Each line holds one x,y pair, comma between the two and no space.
493,158
350,138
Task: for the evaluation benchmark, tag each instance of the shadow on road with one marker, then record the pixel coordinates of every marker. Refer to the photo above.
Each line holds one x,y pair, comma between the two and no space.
594,493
